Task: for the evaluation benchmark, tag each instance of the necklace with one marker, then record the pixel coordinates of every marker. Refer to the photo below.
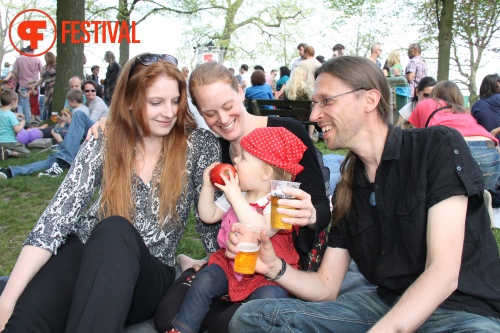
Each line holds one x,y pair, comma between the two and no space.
373,202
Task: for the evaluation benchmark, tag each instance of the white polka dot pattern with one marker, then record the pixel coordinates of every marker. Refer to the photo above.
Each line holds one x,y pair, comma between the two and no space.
276,146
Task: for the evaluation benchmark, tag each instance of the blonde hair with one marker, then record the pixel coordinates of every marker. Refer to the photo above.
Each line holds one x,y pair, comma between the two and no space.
126,126
279,174
296,85
393,58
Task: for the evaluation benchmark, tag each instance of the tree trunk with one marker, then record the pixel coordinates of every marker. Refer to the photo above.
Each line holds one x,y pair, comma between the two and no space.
69,56
445,25
123,15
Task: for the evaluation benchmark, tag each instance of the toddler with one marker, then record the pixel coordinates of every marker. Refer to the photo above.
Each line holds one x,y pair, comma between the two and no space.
270,153
10,124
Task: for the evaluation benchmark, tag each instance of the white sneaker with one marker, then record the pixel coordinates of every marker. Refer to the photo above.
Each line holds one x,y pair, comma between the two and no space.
54,171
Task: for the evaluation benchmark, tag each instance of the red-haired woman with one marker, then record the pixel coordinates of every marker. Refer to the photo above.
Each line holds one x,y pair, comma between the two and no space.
99,265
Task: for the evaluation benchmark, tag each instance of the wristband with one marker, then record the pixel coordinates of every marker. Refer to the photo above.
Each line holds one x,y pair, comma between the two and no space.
281,272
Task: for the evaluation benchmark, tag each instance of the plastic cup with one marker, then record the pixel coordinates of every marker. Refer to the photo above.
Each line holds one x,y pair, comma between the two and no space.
248,246
277,187
53,117
391,70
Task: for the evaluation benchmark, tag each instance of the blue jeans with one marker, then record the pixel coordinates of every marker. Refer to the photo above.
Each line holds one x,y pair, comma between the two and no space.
24,105
79,126
352,313
209,283
488,160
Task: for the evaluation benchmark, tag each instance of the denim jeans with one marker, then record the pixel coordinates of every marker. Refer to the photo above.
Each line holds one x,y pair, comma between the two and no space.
352,313
80,124
488,160
209,283
24,105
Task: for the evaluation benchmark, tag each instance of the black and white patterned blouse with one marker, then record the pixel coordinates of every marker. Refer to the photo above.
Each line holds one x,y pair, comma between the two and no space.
72,210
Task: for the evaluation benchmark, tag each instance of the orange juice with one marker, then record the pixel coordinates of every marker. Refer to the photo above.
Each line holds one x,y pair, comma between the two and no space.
276,217
246,259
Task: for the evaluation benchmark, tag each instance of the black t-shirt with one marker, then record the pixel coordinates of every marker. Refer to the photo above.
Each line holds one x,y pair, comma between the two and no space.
311,180
420,168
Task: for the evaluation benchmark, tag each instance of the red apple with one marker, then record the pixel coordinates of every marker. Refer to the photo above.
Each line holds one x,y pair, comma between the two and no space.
224,169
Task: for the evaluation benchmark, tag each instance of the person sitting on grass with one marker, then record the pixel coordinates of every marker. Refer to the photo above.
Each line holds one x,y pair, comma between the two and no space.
75,102
9,126
268,153
101,255
61,159
409,209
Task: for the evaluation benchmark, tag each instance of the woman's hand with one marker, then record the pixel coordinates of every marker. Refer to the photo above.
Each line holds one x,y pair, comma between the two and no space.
267,257
303,212
94,130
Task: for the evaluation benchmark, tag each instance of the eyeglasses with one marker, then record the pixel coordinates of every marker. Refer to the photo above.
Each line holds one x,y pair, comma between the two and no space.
89,90
324,101
149,58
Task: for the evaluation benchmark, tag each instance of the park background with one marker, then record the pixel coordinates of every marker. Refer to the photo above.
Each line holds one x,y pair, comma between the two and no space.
267,33
461,44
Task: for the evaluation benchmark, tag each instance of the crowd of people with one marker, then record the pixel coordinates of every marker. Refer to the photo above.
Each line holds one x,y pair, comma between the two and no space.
406,245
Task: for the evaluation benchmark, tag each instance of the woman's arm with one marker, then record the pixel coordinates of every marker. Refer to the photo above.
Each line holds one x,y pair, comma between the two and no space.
70,201
71,198
204,150
281,92
30,261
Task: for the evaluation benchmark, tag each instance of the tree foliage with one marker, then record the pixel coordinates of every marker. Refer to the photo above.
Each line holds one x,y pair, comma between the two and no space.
8,10
140,10
475,27
370,20
229,23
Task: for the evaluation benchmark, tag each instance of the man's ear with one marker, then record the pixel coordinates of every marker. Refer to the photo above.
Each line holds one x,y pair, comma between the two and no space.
372,97
267,172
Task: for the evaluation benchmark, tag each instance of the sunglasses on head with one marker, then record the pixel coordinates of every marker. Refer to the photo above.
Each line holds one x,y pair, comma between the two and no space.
89,90
149,58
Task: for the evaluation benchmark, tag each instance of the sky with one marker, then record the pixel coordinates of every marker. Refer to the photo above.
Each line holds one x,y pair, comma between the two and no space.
321,37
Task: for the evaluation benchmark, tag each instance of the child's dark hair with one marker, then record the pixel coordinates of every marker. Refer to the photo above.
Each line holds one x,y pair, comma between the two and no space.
7,96
75,95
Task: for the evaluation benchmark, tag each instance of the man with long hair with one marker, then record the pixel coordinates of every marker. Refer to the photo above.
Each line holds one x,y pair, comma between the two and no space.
409,210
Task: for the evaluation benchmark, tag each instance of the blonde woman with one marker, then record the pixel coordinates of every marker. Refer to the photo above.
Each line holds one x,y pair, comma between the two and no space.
402,92
394,61
297,89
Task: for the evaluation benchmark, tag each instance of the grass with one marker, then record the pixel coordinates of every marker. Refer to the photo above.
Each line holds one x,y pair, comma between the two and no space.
23,199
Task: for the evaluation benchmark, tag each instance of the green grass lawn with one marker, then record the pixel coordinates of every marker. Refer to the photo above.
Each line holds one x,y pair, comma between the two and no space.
23,199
